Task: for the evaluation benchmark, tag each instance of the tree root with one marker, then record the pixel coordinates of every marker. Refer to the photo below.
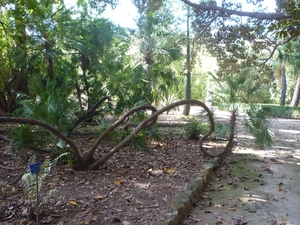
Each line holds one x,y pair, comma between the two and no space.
229,143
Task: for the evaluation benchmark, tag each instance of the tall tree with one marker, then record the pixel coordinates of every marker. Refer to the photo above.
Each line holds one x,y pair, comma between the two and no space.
188,91
240,39
157,48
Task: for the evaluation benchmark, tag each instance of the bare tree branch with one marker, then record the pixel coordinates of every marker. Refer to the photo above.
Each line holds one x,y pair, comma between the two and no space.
257,15
272,52
89,112
31,147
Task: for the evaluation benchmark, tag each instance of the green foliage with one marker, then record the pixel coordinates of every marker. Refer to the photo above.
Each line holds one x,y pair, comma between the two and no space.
7,189
193,128
29,180
29,183
51,104
103,125
169,99
235,90
140,141
277,111
258,125
221,130
23,136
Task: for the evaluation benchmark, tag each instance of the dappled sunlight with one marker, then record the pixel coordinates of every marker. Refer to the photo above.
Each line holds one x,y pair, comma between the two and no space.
245,136
290,131
142,185
249,198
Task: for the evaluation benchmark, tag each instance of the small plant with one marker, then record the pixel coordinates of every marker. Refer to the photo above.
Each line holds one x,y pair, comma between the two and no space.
169,99
194,128
258,125
29,181
103,125
23,136
7,189
222,130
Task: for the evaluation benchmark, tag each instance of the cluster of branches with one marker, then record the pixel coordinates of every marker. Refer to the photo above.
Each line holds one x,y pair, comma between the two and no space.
87,162
265,30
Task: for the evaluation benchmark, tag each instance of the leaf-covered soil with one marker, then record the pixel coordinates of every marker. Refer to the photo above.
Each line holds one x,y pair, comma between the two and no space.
255,186
133,187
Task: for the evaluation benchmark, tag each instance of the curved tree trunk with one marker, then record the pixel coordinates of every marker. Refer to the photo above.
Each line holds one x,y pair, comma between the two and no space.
149,120
296,95
53,130
3,104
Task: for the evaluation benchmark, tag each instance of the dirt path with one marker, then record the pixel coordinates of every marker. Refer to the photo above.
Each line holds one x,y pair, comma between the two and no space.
255,186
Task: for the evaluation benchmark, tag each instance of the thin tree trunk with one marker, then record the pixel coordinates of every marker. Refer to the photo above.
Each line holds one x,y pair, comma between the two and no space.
296,95
283,85
84,66
49,61
188,92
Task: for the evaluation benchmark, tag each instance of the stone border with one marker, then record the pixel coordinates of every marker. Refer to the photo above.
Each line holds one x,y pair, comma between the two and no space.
184,199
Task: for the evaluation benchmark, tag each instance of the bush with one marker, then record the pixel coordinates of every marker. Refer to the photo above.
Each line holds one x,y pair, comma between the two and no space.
194,128
287,112
258,125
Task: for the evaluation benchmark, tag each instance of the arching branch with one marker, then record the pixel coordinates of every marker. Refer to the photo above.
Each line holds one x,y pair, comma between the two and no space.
89,113
49,128
256,15
146,123
89,156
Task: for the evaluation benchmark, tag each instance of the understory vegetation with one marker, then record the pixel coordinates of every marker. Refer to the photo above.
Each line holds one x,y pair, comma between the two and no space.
65,69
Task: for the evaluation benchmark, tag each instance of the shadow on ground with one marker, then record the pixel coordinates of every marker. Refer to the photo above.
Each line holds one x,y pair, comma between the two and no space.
255,186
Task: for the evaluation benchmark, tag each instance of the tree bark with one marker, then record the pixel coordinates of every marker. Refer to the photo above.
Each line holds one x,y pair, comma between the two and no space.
296,95
188,91
283,85
257,15
54,131
150,120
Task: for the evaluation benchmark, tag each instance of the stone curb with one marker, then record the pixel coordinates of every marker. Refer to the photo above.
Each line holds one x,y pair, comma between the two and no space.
184,199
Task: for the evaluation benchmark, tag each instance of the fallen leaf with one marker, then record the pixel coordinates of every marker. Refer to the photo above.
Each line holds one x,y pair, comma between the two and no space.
118,182
139,202
95,212
84,223
282,197
279,189
72,202
232,209
170,170
99,197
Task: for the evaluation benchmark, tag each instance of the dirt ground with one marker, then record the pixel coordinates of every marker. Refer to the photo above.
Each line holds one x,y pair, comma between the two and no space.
255,186
134,187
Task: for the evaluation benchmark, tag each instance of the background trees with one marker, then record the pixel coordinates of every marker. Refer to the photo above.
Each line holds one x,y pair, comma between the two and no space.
60,64
240,39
